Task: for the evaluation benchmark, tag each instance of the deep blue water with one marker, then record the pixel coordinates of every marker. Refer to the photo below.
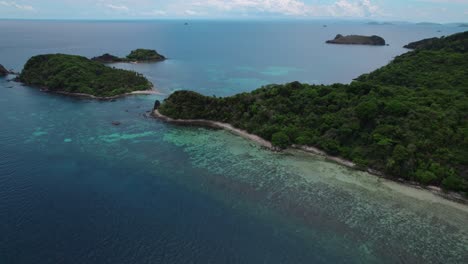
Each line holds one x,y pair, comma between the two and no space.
76,189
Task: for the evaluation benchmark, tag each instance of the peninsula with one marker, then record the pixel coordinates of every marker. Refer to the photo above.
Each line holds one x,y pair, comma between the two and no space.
138,55
456,43
357,40
79,76
421,43
404,123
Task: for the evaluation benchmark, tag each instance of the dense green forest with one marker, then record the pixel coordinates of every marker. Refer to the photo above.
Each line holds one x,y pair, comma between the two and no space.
408,119
76,74
145,55
457,43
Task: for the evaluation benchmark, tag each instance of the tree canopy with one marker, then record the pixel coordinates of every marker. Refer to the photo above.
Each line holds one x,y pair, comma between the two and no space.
76,74
408,119
145,55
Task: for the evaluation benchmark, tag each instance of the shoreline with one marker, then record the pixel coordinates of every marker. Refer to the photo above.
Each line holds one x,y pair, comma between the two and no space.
130,61
452,196
103,98
150,91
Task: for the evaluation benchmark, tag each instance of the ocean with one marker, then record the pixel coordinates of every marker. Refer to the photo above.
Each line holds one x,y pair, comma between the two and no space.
76,189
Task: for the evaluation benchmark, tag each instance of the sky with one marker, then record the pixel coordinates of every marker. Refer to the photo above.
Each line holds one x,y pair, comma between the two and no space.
382,10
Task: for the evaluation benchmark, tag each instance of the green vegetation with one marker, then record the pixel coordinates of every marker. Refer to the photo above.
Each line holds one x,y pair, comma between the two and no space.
76,74
145,55
139,55
108,58
408,119
454,43
420,43
358,40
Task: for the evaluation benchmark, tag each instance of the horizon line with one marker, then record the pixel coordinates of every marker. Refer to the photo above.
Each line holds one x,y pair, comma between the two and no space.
316,19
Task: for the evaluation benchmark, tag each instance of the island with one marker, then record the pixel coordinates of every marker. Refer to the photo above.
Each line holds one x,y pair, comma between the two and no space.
79,76
405,124
136,56
3,72
428,24
145,55
357,40
108,58
375,23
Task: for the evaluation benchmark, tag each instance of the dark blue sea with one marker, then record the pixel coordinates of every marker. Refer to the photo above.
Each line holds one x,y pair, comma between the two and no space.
76,189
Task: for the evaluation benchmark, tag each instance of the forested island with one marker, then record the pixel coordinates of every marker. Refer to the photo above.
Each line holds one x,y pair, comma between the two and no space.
138,55
76,75
145,55
357,40
408,119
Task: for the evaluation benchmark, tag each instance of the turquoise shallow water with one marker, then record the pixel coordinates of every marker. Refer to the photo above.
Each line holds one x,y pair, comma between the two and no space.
76,189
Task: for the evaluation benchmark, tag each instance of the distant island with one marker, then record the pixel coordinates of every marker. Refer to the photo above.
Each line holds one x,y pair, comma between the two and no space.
406,120
76,75
358,40
374,23
3,72
138,55
428,24
145,55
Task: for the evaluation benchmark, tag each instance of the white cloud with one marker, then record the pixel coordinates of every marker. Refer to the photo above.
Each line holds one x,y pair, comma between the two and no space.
121,8
154,13
16,5
363,8
446,1
350,8
190,12
286,7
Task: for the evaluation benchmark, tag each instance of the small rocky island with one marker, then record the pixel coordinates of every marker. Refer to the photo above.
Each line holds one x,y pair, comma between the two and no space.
145,55
358,40
3,72
80,76
138,55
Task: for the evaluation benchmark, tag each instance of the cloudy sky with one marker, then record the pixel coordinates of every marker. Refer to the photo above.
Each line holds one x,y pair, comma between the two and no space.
408,10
